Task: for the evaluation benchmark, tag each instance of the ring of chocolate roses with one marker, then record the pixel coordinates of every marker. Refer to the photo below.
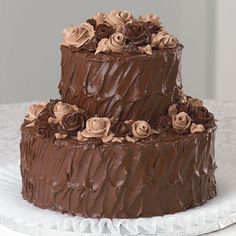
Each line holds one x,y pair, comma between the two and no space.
190,116
62,120
119,31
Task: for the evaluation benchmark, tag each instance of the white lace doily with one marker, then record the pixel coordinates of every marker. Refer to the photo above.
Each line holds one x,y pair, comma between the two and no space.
216,214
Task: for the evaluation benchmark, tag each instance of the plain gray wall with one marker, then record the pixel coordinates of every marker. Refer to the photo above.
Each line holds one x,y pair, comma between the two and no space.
225,50
31,34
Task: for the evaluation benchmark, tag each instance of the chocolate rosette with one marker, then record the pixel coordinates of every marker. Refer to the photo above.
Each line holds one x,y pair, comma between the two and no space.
34,111
151,27
200,115
181,122
116,42
163,40
119,18
72,123
183,107
92,22
136,33
44,116
77,36
141,129
45,130
103,31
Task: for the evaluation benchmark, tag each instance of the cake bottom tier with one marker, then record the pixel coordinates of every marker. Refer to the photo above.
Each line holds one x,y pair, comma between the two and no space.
164,175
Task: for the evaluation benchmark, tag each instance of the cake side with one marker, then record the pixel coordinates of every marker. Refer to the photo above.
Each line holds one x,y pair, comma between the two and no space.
79,165
117,65
123,86
152,178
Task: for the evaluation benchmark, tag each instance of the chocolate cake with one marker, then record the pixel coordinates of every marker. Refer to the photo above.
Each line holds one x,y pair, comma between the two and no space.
124,141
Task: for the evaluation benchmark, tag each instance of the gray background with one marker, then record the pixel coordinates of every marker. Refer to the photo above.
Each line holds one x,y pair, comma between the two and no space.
31,34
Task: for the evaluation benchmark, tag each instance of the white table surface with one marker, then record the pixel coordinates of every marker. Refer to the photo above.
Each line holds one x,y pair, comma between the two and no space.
229,231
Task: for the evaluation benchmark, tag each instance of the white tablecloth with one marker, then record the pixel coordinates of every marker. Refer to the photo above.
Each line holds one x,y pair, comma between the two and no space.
12,116
230,231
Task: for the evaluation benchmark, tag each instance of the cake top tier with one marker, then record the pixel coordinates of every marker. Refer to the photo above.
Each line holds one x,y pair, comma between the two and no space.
119,31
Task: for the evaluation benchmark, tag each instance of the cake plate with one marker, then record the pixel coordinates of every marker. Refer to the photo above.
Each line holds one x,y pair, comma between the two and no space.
22,216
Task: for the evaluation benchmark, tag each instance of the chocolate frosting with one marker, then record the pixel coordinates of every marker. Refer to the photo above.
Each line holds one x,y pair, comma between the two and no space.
121,85
153,163
161,175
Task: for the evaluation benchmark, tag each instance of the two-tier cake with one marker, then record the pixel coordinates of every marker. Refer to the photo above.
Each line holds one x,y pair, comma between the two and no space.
124,141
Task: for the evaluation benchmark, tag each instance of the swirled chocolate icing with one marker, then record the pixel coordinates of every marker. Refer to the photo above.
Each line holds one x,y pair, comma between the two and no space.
121,85
162,175
134,145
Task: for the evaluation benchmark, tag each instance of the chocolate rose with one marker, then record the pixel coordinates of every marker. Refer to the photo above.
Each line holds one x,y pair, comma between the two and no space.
181,121
97,127
152,28
73,122
141,129
151,18
45,130
61,109
92,22
77,36
103,31
183,107
200,115
163,40
135,33
196,128
119,18
34,111
116,42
